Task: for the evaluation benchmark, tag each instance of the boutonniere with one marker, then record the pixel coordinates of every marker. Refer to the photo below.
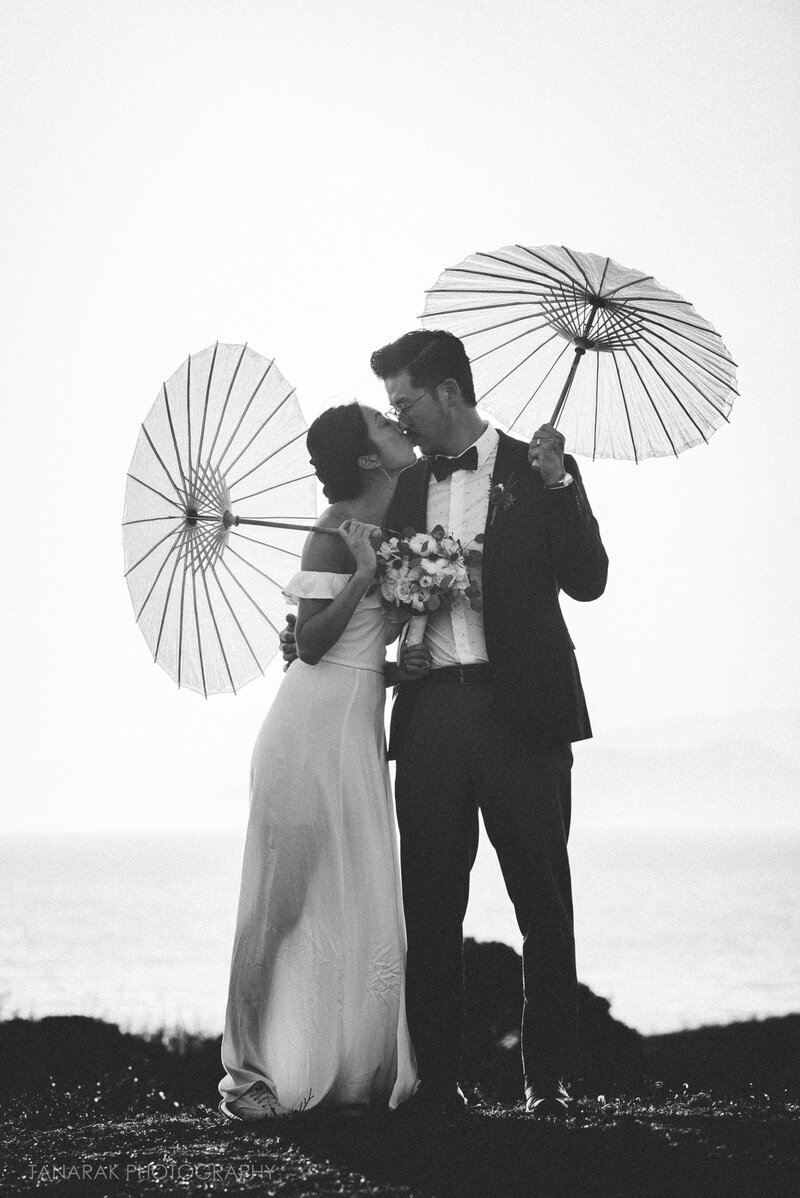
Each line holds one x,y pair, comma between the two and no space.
501,497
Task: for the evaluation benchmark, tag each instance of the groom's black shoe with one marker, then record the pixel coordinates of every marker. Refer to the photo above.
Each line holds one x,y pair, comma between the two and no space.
547,1102
427,1104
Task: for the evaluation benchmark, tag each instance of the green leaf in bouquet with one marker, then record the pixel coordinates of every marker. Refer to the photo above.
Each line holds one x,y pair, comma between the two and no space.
476,604
409,532
479,539
473,591
438,533
473,557
434,603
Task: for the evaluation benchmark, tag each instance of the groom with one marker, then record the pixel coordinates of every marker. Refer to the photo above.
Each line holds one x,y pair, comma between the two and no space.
489,725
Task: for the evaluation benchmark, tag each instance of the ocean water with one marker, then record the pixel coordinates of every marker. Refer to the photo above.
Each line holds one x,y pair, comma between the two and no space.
677,930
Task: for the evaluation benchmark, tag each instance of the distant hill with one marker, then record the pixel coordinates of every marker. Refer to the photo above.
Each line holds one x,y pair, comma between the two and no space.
727,782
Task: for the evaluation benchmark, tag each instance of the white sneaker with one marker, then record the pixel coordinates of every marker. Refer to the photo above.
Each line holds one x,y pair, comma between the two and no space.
256,1103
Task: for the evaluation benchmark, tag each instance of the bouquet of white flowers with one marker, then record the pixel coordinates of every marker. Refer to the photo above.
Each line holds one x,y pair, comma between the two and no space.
422,572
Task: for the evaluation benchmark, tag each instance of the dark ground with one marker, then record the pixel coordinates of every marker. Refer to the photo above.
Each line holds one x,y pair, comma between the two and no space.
91,1110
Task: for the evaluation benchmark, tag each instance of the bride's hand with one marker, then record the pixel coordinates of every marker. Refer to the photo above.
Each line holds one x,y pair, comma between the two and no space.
356,537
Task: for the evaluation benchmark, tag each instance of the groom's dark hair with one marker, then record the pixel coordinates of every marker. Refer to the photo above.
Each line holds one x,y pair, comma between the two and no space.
429,356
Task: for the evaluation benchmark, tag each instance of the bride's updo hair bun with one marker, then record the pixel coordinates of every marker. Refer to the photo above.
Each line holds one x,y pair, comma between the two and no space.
335,442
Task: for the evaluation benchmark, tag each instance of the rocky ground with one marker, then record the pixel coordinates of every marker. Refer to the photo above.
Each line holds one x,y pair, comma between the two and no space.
90,1110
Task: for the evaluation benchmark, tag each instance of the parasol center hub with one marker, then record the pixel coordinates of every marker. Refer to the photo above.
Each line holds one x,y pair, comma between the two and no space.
191,517
229,519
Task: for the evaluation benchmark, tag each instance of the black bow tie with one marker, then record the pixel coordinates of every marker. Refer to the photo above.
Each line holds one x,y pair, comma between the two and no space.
444,467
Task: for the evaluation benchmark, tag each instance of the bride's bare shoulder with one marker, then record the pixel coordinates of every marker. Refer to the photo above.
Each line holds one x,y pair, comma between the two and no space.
325,552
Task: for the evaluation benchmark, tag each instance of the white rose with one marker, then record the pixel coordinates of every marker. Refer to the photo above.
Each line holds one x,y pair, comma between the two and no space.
403,591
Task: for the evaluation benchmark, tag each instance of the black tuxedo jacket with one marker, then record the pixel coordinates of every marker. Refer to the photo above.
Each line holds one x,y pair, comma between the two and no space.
544,542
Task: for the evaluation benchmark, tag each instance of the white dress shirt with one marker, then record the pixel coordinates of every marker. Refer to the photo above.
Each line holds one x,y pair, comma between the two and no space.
460,503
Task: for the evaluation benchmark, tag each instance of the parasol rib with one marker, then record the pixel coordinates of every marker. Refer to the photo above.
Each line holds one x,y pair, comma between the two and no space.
245,410
175,549
173,532
651,345
181,508
197,627
630,283
263,461
266,544
525,268
583,273
522,363
486,307
189,417
480,274
205,407
653,403
627,413
247,594
224,594
489,328
219,638
711,349
534,297
275,486
645,314
166,601
211,488
672,392
511,340
225,404
530,400
175,444
253,567
204,541
181,494
180,626
551,265
152,519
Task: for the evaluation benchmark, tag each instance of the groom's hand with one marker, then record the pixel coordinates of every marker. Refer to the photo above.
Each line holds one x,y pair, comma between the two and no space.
287,641
414,662
546,454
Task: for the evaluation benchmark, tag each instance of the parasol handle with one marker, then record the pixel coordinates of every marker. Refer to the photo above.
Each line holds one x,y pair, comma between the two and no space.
562,399
229,519
580,350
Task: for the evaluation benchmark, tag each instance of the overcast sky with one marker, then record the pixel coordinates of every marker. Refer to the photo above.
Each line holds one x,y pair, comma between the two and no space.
295,175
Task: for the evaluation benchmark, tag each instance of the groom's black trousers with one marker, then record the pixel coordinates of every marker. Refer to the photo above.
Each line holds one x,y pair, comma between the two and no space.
458,755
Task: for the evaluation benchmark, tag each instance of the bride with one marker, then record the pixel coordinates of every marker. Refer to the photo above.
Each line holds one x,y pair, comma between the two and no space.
316,1012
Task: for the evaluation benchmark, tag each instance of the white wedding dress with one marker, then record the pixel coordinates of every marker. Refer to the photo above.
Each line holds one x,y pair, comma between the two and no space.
316,1001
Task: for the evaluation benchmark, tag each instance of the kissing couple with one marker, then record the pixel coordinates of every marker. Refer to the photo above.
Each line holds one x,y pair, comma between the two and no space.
347,979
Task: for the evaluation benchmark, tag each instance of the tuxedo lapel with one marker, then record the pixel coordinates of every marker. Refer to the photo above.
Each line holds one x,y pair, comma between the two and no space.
502,472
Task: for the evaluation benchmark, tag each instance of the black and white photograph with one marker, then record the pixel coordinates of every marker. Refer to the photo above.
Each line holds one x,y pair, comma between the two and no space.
400,754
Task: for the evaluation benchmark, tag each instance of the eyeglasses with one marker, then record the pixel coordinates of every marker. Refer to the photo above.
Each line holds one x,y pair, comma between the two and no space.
395,413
